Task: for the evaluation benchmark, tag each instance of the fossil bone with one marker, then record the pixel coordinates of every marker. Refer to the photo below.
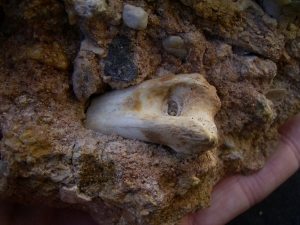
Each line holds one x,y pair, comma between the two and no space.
177,111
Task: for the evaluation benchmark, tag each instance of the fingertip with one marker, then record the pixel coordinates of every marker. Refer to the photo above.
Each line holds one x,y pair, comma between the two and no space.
290,136
236,193
292,126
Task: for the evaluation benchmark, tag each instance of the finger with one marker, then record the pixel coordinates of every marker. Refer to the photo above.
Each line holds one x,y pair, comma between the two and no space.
18,214
235,194
73,217
34,215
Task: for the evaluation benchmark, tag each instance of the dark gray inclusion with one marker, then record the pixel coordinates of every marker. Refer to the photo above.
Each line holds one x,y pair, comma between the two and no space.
117,62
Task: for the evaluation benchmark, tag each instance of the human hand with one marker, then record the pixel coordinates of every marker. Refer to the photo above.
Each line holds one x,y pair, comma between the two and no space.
17,214
230,197
236,193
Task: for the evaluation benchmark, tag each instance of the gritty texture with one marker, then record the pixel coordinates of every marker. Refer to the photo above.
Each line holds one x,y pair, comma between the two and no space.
247,50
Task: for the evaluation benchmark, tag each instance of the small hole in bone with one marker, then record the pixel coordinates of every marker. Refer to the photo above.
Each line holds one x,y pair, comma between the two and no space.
172,108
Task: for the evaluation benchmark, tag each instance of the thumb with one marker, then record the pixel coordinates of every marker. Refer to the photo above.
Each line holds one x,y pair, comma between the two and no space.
235,194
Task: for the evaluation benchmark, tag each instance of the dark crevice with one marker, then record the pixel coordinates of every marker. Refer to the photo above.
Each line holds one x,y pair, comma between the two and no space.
244,52
61,1
2,16
1,137
173,108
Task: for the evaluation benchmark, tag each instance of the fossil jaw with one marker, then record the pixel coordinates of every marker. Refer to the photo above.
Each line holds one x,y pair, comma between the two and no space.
177,111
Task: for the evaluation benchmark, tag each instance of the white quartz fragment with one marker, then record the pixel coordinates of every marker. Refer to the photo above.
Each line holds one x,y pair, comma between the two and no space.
89,46
89,8
135,17
175,45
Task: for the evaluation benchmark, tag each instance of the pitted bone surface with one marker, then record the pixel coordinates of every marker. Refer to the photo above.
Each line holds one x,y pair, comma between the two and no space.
177,111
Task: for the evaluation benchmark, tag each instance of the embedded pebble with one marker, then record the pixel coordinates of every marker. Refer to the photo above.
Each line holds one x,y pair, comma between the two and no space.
117,63
89,46
85,77
175,45
89,8
264,110
229,144
135,17
223,51
28,137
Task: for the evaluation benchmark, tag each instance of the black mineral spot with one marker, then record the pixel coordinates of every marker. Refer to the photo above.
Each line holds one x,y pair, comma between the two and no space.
117,63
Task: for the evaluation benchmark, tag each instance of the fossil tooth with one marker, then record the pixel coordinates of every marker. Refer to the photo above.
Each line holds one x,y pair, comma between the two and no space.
177,111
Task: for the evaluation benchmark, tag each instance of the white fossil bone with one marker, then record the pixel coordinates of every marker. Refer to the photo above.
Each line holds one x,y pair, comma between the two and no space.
177,111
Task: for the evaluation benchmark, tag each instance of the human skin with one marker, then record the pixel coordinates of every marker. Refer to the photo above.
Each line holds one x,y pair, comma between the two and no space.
230,197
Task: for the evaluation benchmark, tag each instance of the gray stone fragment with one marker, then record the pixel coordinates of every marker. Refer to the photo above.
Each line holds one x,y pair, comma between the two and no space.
85,77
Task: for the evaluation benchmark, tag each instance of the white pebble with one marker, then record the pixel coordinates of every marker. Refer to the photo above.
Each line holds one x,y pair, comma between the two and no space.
135,17
89,46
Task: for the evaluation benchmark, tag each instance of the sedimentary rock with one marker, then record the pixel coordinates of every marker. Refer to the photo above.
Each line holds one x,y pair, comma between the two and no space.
57,56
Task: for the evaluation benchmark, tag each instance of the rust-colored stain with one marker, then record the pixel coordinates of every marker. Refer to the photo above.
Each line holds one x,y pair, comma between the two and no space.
153,136
133,103
156,93
166,78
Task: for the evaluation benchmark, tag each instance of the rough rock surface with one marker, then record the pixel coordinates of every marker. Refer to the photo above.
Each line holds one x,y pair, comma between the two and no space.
247,50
